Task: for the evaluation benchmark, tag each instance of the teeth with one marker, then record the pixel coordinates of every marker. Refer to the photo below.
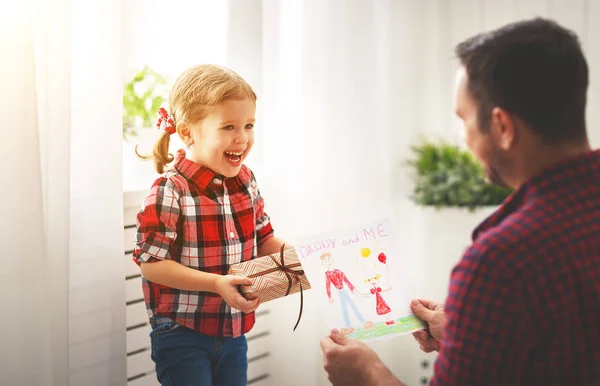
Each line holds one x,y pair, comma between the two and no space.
234,154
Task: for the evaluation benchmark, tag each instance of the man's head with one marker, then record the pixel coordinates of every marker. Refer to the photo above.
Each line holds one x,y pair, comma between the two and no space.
520,88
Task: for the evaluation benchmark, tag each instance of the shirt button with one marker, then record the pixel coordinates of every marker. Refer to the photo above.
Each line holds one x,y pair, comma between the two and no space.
217,181
231,234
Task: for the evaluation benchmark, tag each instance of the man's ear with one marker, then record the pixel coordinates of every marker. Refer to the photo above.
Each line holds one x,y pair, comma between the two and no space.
503,128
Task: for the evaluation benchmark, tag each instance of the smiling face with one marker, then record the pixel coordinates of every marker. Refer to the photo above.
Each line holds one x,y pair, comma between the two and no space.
480,141
223,139
373,281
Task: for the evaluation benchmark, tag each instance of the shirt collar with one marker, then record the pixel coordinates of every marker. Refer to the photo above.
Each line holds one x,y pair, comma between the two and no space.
576,168
200,175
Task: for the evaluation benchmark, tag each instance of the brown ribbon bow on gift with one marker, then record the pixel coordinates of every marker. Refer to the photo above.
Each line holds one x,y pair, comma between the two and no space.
290,274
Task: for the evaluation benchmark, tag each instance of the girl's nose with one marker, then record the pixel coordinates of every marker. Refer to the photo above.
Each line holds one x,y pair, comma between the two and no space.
242,137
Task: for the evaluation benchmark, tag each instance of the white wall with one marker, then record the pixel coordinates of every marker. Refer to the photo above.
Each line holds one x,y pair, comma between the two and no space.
445,23
172,35
168,36
63,320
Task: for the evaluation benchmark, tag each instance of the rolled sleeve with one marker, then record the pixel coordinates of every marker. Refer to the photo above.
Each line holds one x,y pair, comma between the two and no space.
157,223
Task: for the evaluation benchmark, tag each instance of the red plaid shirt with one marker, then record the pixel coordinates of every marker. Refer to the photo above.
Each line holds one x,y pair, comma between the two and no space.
524,301
206,222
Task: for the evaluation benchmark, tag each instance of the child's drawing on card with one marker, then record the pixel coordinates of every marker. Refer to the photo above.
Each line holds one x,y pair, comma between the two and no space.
381,306
345,290
354,270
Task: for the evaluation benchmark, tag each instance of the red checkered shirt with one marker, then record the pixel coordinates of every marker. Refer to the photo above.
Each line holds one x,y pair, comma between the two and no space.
205,222
524,301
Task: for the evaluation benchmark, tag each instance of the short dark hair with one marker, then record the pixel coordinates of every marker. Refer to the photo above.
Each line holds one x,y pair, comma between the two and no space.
534,69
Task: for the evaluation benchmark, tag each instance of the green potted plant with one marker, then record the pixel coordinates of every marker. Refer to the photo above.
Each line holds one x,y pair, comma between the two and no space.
447,176
451,197
143,95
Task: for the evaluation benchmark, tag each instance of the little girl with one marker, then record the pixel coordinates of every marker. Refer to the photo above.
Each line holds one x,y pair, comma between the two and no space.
202,214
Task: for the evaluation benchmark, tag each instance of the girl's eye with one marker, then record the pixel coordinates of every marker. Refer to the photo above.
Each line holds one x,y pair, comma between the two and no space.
228,127
249,126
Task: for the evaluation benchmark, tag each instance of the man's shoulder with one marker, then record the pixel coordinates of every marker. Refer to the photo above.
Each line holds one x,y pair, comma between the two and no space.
515,242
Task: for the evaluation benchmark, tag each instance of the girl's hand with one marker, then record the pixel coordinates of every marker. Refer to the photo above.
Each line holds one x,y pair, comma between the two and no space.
227,287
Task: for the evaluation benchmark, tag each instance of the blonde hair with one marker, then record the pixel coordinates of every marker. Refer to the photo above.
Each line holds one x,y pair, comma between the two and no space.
325,255
194,95
376,277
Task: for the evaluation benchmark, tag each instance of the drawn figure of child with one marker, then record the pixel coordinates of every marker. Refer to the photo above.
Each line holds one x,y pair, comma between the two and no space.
381,306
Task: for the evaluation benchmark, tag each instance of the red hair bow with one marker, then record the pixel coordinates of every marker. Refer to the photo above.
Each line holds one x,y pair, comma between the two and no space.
165,121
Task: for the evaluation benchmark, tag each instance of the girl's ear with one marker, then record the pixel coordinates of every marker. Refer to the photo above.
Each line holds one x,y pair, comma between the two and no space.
185,133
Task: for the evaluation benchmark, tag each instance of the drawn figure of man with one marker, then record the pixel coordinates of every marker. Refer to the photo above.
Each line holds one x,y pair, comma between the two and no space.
337,278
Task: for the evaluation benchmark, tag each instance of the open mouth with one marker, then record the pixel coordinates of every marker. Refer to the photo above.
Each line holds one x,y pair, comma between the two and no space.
234,157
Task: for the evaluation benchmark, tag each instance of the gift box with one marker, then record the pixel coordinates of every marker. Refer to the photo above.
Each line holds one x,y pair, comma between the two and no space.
273,277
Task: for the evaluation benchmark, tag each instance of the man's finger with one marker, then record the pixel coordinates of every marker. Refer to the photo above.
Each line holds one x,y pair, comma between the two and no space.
421,311
430,343
427,338
422,334
338,337
327,344
428,303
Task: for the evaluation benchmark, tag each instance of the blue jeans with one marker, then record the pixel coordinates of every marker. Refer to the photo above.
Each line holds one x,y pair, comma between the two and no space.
185,357
346,300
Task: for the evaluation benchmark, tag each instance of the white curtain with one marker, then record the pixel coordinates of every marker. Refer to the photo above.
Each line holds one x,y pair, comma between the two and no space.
61,272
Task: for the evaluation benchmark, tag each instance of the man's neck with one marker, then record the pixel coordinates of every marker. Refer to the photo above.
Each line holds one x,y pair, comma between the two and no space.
545,156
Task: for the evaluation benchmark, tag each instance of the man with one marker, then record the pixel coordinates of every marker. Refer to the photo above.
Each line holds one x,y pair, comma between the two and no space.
524,301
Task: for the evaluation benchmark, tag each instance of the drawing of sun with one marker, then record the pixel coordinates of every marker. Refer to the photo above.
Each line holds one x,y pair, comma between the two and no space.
364,262
367,260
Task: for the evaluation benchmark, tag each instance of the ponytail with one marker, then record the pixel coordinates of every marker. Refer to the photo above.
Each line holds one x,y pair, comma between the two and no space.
160,152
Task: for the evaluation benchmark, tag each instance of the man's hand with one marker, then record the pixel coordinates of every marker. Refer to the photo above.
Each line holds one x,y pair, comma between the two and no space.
433,314
331,300
349,362
227,287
